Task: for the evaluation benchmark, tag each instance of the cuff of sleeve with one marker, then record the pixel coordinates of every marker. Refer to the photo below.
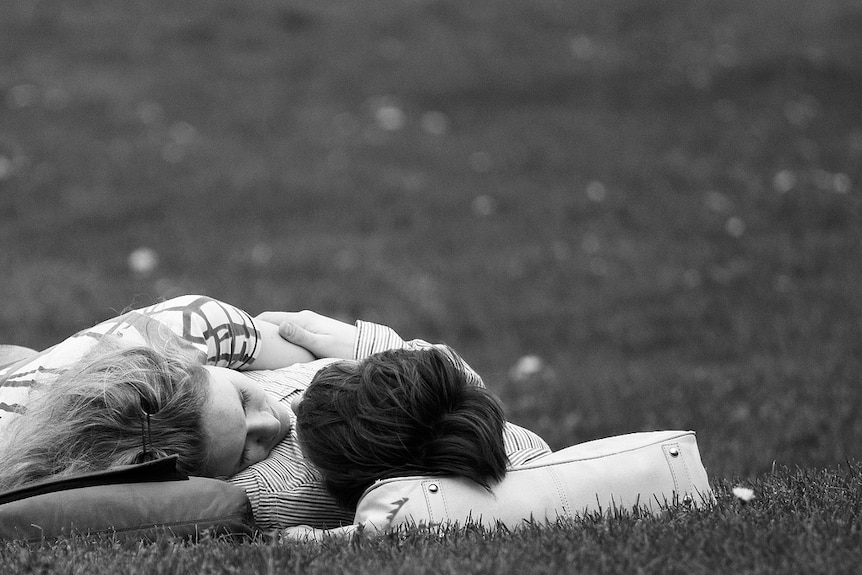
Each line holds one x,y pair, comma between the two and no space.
373,338
254,344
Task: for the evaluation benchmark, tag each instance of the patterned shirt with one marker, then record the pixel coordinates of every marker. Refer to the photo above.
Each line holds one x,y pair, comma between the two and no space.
284,489
220,334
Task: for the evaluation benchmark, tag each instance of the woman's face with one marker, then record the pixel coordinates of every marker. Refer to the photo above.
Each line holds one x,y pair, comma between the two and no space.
241,422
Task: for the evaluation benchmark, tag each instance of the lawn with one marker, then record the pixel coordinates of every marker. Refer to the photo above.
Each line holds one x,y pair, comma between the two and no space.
636,215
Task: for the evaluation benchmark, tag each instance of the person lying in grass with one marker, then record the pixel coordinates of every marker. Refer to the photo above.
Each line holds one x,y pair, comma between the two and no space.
203,380
414,411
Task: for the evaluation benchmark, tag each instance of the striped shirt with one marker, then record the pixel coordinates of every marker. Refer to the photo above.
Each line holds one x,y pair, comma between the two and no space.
284,490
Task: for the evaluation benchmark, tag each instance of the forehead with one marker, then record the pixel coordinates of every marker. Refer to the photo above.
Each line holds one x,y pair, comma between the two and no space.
223,423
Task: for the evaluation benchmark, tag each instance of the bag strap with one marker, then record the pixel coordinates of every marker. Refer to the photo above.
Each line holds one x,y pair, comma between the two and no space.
164,469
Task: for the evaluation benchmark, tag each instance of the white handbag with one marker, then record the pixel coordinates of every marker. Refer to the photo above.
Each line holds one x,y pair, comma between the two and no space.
647,470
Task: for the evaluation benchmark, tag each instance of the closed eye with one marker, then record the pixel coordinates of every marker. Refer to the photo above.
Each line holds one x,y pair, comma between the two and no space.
244,460
244,399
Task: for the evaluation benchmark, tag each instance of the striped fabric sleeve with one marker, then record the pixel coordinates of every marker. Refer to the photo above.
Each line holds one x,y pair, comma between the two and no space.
306,504
522,445
286,490
373,338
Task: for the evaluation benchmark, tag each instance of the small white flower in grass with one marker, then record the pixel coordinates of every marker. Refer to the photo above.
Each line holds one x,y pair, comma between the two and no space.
744,494
182,133
484,206
735,227
261,254
143,261
5,168
582,47
596,192
22,96
841,183
526,367
718,202
784,181
390,117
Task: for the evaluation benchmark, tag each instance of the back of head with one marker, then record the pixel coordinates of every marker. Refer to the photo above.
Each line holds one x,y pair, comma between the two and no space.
94,416
400,413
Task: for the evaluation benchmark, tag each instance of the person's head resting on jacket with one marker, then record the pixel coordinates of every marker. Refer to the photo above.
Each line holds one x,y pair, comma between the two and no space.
400,413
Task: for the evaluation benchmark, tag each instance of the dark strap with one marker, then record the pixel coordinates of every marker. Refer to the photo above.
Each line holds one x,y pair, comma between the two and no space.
164,469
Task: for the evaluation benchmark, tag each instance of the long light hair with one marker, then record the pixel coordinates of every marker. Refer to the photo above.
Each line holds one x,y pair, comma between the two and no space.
91,417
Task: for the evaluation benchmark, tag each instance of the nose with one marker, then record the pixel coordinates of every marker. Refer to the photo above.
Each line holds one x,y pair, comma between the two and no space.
263,427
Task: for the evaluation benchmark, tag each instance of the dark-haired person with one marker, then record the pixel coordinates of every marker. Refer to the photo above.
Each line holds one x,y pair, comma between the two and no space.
400,413
208,383
286,489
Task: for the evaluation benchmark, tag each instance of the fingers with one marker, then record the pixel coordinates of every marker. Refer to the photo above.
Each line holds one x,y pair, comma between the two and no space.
306,533
305,318
275,317
322,336
294,333
302,533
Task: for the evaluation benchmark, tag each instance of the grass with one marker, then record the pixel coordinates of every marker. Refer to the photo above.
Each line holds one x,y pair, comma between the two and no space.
658,199
801,521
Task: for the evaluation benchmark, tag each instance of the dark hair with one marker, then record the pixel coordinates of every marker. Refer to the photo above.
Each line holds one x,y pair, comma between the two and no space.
400,413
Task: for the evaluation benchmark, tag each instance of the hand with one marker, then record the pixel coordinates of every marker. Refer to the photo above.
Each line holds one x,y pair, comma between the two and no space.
275,352
321,335
304,533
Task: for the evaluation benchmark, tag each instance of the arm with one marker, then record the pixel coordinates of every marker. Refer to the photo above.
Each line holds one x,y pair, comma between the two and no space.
331,338
327,337
305,533
285,490
321,335
224,335
276,352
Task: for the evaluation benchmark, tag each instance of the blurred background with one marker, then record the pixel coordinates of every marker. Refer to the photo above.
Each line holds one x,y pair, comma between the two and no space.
631,215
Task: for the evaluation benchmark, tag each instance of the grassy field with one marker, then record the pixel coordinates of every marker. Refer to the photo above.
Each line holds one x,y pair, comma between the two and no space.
644,214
